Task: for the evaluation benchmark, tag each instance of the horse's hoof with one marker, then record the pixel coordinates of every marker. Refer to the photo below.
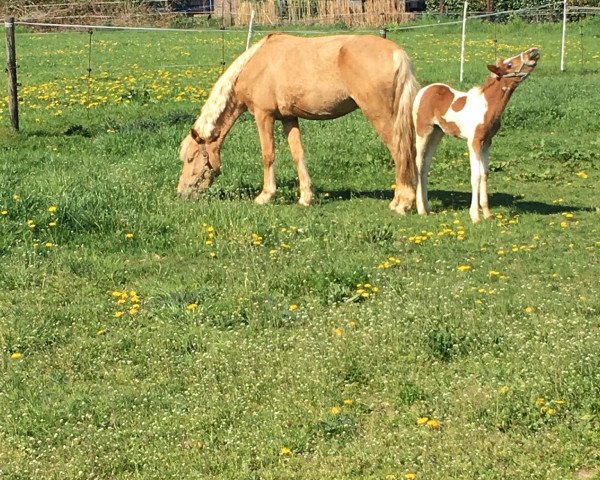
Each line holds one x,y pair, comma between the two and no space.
262,199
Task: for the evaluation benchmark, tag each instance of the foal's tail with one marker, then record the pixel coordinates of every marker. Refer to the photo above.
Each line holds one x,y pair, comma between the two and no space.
407,88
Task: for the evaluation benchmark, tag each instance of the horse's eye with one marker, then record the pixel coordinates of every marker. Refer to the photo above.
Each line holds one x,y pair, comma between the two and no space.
190,159
509,65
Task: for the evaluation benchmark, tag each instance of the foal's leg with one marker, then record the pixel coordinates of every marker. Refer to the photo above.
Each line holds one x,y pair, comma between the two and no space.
264,122
292,131
476,169
483,191
426,147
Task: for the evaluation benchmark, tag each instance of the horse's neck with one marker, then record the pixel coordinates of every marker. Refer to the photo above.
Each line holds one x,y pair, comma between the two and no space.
497,95
228,117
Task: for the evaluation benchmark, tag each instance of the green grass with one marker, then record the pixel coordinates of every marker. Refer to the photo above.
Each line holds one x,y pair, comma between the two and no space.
282,351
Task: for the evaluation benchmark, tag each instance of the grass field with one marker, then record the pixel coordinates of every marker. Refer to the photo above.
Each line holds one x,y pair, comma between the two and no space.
146,337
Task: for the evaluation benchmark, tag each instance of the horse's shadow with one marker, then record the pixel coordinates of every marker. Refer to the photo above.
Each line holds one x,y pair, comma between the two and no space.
451,199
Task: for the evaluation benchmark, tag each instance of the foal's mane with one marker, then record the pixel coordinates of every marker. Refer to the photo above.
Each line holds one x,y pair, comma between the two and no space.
221,92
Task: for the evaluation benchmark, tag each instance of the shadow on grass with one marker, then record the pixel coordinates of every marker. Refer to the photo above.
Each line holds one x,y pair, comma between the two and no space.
462,200
287,193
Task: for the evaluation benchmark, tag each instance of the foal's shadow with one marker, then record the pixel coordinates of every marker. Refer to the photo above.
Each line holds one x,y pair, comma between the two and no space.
444,199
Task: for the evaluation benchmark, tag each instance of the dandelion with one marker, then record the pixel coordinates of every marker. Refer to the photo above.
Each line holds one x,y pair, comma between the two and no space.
119,314
293,307
529,309
30,223
4,212
49,245
16,197
52,224
16,356
209,242
504,390
129,236
285,451
116,293
348,402
582,174
540,401
494,273
464,268
433,423
191,307
100,332
335,410
422,420
52,208
213,254
338,332
410,476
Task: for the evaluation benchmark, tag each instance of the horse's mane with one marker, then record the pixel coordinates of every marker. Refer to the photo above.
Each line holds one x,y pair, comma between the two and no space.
219,96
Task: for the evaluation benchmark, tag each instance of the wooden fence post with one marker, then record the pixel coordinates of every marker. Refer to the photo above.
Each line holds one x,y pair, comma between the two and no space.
11,69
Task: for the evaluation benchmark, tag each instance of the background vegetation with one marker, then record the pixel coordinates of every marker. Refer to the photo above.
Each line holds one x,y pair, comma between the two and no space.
146,337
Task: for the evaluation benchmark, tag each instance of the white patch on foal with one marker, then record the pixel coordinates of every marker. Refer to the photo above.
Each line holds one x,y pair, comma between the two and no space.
471,115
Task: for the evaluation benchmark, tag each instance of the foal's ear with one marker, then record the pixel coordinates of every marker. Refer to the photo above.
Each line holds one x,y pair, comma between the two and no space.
196,136
495,70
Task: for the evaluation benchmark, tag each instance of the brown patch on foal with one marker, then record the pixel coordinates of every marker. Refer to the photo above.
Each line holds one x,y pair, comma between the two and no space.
434,103
459,104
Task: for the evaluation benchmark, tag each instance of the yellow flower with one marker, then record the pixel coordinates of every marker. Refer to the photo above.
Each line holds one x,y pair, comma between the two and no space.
336,410
129,236
550,411
16,356
293,307
213,254
348,401
494,273
433,423
31,223
504,390
582,174
119,314
410,476
422,420
116,293
4,212
285,451
529,309
191,307
208,242
52,224
134,310
16,197
464,268
338,332
52,208
101,332
540,401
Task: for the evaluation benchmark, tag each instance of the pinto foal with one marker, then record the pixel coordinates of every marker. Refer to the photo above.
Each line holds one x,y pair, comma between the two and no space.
474,115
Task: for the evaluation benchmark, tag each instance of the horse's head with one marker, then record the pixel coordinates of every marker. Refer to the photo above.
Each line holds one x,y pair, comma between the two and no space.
517,67
201,165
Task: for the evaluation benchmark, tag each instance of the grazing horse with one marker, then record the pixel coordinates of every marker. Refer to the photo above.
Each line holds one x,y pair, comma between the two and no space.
474,116
283,77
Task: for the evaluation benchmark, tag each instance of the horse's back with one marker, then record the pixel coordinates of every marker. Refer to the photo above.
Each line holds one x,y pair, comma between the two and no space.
317,77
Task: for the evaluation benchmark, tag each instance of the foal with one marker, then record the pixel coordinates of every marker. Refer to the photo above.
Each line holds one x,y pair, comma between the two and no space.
473,115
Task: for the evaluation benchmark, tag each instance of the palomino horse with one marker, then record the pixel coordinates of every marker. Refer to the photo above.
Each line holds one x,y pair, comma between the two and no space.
473,115
283,77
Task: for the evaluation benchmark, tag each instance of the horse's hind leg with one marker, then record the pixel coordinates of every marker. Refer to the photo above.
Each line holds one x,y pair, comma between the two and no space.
292,131
264,122
426,147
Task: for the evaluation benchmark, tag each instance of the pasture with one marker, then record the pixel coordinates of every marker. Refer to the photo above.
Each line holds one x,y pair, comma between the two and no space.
142,336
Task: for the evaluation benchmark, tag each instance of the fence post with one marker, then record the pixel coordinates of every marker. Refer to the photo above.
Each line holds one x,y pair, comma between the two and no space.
382,29
462,43
11,69
564,37
250,28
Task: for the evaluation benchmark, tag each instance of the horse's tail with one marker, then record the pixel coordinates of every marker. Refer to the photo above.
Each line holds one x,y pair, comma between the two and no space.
407,88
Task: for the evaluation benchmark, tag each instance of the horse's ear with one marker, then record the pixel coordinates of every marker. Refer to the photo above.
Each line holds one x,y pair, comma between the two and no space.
495,70
196,136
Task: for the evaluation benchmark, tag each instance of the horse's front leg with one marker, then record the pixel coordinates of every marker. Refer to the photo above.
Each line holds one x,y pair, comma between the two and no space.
292,131
483,190
264,122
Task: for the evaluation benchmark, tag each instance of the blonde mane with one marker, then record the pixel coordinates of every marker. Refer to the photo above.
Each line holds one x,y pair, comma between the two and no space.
220,94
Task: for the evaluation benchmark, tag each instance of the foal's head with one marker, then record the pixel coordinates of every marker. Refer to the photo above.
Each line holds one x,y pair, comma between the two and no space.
517,67
201,165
